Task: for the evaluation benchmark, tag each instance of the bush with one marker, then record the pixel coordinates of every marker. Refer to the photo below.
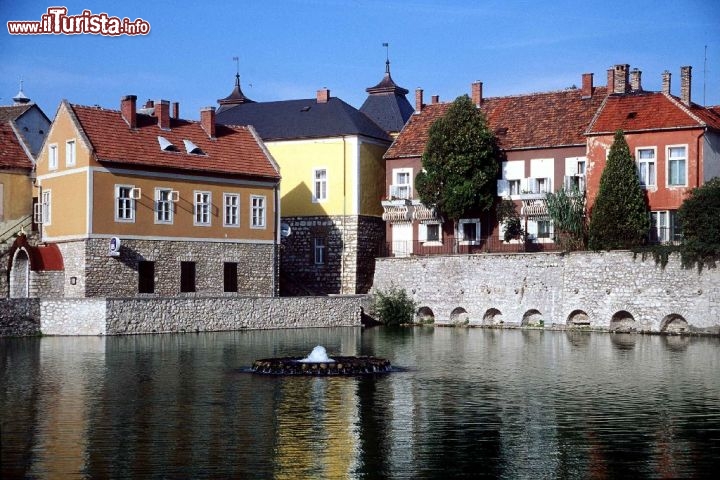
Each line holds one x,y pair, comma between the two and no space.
700,222
394,306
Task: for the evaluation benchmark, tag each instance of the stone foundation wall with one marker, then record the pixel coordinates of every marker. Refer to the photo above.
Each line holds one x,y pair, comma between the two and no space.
592,289
19,317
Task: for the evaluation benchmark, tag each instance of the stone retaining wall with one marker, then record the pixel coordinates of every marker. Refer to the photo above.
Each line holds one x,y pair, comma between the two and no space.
19,317
602,290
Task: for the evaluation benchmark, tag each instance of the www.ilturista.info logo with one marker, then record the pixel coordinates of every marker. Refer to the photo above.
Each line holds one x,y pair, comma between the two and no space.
57,22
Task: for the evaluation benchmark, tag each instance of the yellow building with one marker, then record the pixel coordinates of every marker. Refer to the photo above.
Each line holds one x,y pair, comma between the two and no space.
140,202
330,157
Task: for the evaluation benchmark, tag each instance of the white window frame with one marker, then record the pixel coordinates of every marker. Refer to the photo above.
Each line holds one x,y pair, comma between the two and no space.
403,191
643,166
258,212
70,153
43,208
423,233
320,250
461,231
202,208
669,159
231,209
53,156
164,207
320,185
661,225
125,204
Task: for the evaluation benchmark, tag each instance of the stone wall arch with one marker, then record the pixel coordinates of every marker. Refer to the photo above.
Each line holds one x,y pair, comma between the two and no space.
673,323
492,316
532,318
459,315
578,318
20,274
622,322
425,315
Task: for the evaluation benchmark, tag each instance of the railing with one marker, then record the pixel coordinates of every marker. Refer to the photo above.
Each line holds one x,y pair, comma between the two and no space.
14,227
664,236
484,245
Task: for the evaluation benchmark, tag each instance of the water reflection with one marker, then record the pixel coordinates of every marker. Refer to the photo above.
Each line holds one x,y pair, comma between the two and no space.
469,402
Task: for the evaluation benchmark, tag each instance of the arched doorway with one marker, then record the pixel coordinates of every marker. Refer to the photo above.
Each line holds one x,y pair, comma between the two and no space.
622,322
20,275
673,323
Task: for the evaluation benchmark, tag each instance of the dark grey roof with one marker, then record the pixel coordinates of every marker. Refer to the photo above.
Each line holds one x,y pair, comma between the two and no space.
389,110
306,118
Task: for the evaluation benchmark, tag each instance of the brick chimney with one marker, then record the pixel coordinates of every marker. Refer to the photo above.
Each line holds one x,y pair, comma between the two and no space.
587,85
207,120
476,89
635,80
622,78
323,95
128,109
685,85
610,81
435,99
666,82
175,110
418,100
149,104
162,112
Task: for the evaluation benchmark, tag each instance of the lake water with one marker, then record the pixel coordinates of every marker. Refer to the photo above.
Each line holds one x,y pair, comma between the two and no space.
466,403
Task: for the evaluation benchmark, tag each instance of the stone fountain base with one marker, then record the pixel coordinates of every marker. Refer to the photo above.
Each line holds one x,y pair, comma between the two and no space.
338,366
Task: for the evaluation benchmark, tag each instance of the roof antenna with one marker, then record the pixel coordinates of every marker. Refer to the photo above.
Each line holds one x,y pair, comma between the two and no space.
237,71
704,76
387,56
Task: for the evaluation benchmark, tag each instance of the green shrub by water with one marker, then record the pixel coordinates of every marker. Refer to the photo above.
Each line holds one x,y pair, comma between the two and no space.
395,306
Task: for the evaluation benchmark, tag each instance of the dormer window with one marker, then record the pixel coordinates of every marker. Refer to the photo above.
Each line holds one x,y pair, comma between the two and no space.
166,145
190,147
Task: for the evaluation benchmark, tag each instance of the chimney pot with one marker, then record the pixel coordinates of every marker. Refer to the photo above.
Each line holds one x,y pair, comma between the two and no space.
622,78
435,99
587,85
635,80
685,85
323,95
418,100
207,121
666,77
610,81
175,109
477,93
128,110
162,112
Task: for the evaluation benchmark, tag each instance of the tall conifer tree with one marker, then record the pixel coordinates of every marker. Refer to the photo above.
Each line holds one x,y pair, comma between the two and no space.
619,218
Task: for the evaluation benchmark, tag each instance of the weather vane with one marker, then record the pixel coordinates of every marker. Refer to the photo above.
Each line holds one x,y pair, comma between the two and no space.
237,64
387,51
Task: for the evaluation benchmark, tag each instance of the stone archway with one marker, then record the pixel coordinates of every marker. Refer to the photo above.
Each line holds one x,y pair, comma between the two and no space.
623,322
459,316
20,274
492,316
673,323
532,318
578,319
425,315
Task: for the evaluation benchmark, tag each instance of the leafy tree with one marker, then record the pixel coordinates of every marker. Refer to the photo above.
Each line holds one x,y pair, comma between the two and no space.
619,217
567,211
460,163
508,216
395,306
700,220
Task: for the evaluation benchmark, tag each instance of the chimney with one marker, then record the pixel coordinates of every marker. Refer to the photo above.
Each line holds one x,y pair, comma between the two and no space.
610,81
685,84
635,80
323,95
435,99
207,120
666,82
175,109
162,112
418,100
128,110
149,104
622,78
476,90
587,85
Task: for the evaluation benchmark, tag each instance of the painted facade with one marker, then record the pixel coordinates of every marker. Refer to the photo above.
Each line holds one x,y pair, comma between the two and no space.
140,202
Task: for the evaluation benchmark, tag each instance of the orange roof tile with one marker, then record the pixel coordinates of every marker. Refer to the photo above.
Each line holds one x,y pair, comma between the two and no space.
234,151
12,154
536,120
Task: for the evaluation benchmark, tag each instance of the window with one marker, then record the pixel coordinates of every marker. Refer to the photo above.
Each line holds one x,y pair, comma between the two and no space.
124,203
52,157
202,208
514,186
320,179
581,167
319,250
401,187
677,166
542,185
257,212
70,153
230,276
163,205
664,227
469,231
646,166
146,277
42,209
187,276
231,207
544,229
429,232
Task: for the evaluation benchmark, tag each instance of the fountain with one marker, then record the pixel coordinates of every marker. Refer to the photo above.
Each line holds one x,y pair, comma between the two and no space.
318,363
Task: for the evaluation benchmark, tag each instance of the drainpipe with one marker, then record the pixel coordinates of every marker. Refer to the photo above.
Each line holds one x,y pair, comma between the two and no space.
276,242
342,256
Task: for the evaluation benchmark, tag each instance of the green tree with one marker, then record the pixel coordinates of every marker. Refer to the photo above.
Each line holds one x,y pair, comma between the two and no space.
394,306
567,212
460,163
619,217
699,216
507,215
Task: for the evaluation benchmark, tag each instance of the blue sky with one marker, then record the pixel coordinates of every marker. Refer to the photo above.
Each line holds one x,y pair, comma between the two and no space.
289,49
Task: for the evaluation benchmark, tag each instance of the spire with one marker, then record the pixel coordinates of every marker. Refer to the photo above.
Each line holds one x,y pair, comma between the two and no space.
387,85
236,97
21,98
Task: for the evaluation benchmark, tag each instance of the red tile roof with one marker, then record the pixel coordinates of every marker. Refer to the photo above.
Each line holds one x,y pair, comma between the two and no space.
234,151
12,154
650,111
536,120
